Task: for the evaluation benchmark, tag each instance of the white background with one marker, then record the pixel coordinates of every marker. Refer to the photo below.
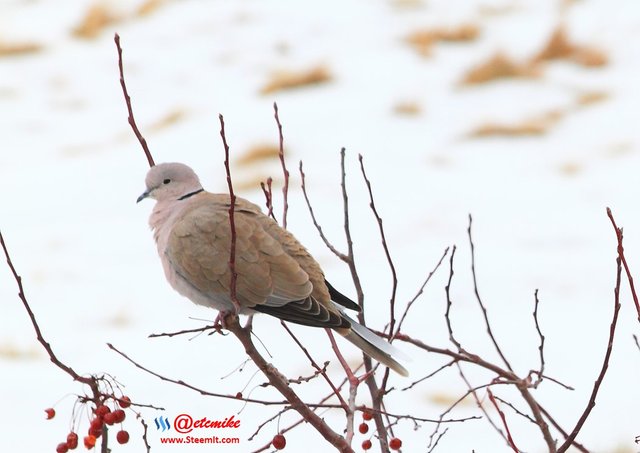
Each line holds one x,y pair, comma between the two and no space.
70,171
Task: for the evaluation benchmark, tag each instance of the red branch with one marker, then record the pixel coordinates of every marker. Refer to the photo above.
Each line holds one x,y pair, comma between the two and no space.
285,172
127,99
605,363
277,380
624,262
268,195
232,220
504,420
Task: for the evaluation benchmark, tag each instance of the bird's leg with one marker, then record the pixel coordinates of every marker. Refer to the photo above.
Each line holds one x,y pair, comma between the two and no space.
220,323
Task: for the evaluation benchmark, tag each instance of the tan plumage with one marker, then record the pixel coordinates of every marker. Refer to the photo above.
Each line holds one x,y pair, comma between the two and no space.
276,275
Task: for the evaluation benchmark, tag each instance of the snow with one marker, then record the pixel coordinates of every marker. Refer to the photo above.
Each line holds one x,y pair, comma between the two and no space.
71,170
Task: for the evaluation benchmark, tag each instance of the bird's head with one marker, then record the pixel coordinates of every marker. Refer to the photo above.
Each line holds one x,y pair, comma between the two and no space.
170,181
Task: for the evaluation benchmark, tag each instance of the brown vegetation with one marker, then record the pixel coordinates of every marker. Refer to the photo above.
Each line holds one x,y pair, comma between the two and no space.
423,40
407,108
559,47
286,80
258,153
537,125
19,48
499,66
97,17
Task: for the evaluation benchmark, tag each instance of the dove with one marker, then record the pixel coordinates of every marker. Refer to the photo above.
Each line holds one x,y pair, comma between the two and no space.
276,275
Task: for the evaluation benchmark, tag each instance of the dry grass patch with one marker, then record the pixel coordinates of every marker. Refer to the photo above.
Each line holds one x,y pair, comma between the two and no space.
169,119
560,47
148,7
259,153
8,49
423,40
287,80
533,126
499,66
407,108
97,17
570,168
591,97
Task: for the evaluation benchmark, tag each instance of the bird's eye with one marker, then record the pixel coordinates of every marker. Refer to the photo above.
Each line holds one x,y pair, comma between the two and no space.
166,181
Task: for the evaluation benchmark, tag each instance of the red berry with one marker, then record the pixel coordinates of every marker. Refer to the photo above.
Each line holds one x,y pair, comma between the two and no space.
50,413
101,411
395,443
96,423
95,432
119,415
110,418
279,442
62,448
89,442
363,428
122,437
72,440
366,444
124,402
367,415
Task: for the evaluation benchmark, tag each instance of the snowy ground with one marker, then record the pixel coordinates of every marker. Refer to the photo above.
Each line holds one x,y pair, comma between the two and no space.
71,170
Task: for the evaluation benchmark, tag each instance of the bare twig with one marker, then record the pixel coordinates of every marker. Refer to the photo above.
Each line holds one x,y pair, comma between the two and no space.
198,330
515,409
504,420
430,375
268,194
392,267
317,367
145,429
127,99
91,381
557,426
385,247
232,223
419,293
285,172
280,383
326,241
447,312
192,387
478,401
541,347
624,262
482,306
605,363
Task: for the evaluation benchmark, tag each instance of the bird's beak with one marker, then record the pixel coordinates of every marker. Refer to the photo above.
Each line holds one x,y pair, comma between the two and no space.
144,195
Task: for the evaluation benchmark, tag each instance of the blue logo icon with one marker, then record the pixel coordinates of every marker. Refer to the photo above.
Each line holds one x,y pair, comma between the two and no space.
162,423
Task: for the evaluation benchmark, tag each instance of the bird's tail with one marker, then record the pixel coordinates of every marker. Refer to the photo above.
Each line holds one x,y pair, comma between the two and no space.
374,346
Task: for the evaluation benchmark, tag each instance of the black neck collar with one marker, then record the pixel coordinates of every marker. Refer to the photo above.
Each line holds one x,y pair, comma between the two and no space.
190,194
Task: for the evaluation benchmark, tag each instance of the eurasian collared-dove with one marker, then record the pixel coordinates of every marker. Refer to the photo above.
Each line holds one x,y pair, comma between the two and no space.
275,273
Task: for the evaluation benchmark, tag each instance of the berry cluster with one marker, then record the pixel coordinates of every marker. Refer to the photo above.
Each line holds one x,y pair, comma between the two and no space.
102,415
363,428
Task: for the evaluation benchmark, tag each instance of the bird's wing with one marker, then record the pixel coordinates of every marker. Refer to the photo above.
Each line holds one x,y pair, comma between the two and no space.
199,248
